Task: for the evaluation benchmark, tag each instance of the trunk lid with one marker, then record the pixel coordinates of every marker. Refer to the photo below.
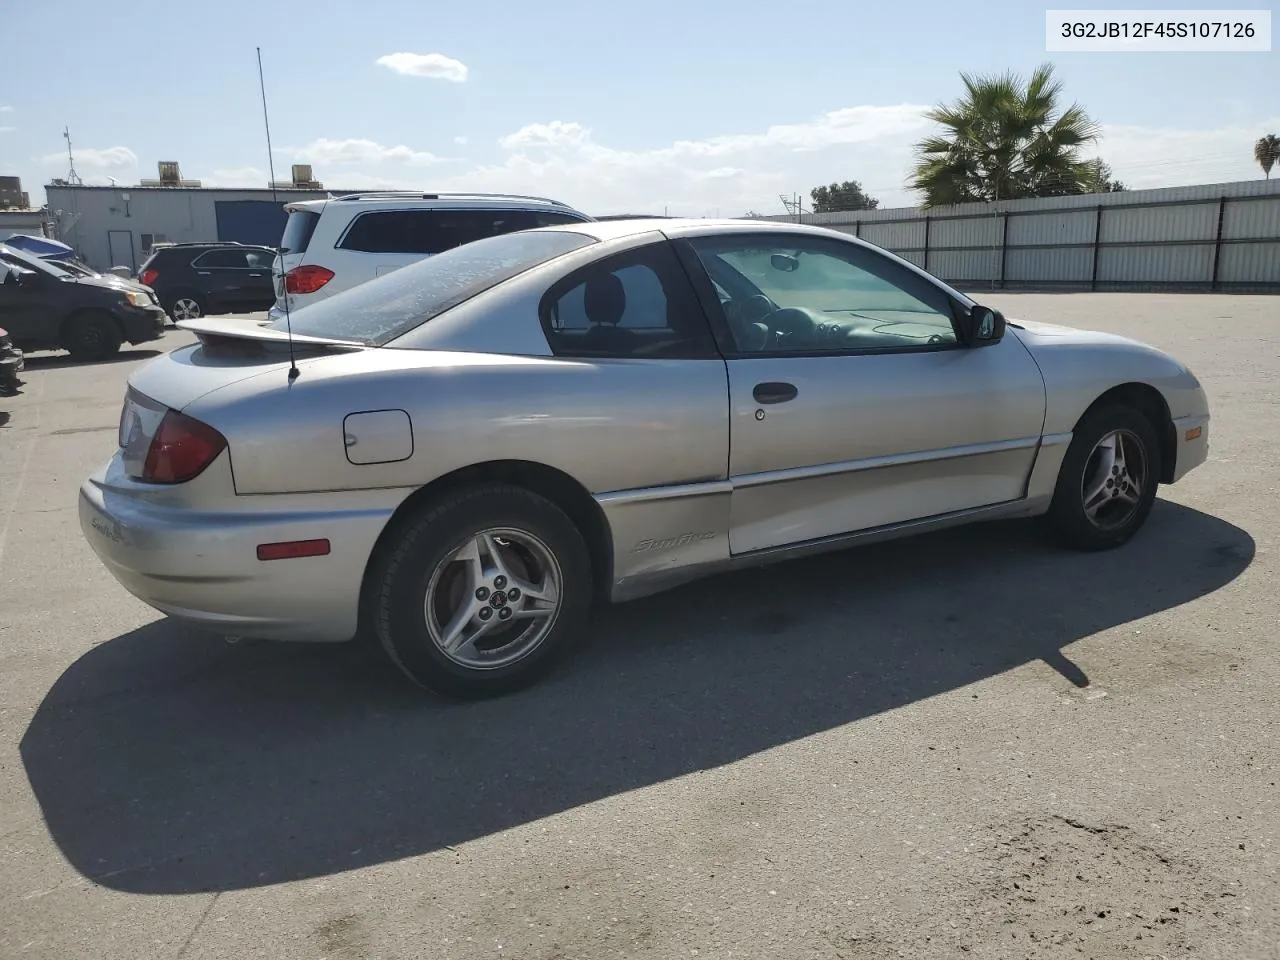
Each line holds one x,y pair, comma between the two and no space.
229,351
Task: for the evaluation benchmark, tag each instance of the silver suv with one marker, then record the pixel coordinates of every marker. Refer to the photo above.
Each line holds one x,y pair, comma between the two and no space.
331,245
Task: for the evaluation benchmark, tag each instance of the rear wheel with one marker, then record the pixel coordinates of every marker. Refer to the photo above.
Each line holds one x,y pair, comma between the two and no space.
1107,483
91,336
482,591
185,306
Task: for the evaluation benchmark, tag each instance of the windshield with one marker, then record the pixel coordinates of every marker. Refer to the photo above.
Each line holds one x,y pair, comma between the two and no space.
382,309
78,266
29,262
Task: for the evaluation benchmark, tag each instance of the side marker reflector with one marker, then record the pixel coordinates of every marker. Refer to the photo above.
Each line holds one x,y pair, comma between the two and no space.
291,549
1194,433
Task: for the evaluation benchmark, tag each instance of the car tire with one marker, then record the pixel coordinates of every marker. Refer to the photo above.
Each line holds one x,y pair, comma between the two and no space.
92,335
1107,483
481,591
190,305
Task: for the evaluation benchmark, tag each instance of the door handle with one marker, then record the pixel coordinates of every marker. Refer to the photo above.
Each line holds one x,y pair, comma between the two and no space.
774,392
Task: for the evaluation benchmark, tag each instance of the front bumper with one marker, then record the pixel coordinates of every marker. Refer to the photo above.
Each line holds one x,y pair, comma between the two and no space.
201,567
143,324
1191,436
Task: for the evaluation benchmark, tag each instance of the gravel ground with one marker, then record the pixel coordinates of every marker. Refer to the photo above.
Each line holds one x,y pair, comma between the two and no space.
966,745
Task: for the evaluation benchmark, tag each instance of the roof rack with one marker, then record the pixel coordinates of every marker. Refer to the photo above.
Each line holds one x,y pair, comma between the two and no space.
393,194
207,243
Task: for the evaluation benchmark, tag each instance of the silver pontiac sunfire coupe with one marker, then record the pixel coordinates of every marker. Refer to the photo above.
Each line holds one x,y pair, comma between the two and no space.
469,450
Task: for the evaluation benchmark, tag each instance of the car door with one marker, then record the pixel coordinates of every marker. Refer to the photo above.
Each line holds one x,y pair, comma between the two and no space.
30,306
853,404
223,276
259,291
652,389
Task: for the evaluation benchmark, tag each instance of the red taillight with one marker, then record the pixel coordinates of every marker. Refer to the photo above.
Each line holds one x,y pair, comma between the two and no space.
149,277
307,278
292,549
180,450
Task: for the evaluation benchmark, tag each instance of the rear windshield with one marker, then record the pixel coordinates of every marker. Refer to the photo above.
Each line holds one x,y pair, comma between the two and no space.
298,230
378,311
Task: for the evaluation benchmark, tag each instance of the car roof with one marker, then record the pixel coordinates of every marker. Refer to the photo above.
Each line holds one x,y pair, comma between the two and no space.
391,200
689,227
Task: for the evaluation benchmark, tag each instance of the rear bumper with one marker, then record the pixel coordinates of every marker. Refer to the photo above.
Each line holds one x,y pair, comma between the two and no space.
201,567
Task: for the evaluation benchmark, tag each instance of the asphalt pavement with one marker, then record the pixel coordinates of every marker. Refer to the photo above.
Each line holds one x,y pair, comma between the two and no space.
972,744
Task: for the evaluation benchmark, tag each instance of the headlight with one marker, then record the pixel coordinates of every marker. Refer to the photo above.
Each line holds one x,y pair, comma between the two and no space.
137,299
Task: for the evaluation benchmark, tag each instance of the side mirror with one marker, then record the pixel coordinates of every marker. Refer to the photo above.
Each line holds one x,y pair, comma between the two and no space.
784,262
983,326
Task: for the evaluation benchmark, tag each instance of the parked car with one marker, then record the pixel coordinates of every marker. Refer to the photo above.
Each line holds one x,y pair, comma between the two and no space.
11,364
47,307
332,245
474,447
195,279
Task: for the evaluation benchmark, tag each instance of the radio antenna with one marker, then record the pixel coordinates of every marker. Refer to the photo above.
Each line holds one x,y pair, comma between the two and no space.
271,168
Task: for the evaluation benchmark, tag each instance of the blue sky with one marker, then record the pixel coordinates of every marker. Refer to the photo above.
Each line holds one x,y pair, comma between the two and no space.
697,107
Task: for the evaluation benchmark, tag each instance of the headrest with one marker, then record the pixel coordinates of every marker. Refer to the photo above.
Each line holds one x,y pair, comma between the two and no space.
605,299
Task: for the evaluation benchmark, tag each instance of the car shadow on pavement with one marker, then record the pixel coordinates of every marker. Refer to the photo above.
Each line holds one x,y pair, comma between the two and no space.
56,361
166,762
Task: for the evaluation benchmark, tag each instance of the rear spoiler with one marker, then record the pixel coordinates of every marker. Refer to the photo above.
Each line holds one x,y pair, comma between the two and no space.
214,331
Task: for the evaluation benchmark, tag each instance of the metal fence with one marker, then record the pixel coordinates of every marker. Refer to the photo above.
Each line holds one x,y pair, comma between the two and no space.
1212,237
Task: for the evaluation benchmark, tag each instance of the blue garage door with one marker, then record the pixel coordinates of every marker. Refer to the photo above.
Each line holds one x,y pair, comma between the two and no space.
250,221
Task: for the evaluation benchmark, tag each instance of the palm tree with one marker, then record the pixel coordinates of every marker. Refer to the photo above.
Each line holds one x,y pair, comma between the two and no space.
1005,139
1267,152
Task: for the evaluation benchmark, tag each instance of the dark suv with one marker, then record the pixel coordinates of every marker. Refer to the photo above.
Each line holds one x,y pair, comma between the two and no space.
45,307
193,279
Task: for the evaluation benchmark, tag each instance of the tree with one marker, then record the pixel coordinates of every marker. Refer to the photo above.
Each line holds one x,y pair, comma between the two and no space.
1267,152
841,196
1003,140
1098,178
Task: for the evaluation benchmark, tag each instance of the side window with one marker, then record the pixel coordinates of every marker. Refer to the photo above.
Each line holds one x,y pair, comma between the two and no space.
259,259
821,297
553,219
636,304
221,259
457,227
394,231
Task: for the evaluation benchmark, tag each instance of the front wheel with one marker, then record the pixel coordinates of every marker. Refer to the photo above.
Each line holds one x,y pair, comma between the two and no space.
482,591
91,336
1107,483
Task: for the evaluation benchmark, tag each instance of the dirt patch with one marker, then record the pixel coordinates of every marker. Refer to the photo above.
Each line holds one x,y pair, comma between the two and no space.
1061,887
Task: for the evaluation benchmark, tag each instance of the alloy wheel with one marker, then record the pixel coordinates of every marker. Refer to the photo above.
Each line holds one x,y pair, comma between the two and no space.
1114,477
494,599
184,308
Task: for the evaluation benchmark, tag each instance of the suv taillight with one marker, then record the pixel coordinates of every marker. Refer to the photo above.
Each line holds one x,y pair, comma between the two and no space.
181,449
307,278
149,277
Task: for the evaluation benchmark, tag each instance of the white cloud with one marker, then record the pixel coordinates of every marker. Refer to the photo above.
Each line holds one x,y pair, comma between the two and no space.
237,177
7,129
357,151
436,66
1164,157
460,141
4,108
88,158
726,174
730,174
557,133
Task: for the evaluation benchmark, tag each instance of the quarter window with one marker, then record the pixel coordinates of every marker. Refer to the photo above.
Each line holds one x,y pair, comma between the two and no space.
779,295
637,304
